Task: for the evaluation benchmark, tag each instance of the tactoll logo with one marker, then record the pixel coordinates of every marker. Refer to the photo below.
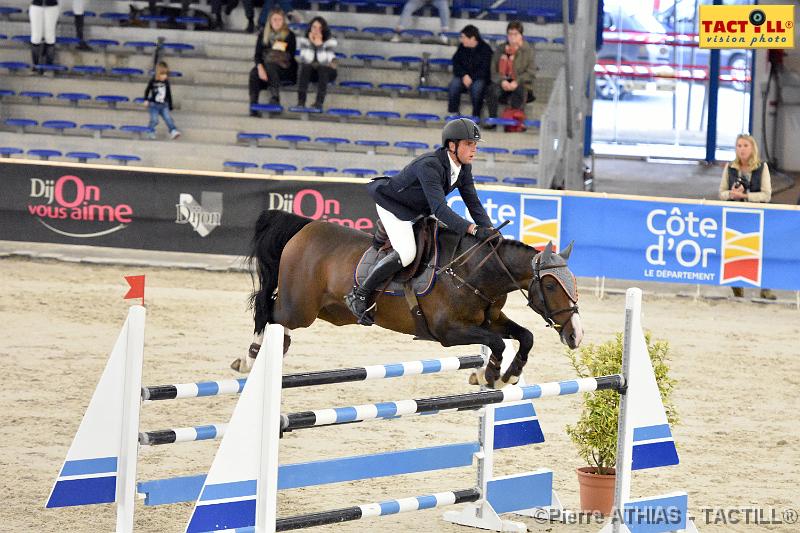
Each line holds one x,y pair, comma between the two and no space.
762,26
205,216
743,237
541,221
310,203
69,198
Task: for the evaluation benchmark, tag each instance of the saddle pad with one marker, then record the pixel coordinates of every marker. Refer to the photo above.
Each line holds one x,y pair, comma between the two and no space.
422,283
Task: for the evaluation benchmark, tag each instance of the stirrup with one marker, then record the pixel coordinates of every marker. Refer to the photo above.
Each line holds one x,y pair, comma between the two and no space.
358,306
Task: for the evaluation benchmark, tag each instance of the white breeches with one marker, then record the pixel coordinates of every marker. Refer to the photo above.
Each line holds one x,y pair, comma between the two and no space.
77,7
43,24
401,233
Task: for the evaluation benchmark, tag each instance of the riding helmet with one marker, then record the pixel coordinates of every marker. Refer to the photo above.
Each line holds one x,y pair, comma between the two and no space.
461,129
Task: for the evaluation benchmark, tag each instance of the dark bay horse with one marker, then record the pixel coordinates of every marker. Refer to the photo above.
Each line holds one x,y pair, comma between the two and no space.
305,268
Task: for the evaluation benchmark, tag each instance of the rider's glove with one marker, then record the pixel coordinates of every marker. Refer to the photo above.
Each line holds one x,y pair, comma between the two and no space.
484,233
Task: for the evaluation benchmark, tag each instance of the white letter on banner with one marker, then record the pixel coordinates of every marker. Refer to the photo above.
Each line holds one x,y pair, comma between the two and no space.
679,253
658,248
707,226
675,218
690,220
650,216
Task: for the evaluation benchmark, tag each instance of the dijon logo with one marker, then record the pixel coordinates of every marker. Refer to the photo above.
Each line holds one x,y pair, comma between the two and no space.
204,217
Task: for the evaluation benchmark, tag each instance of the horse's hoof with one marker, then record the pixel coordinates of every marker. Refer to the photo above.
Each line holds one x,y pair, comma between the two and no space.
511,380
236,364
474,379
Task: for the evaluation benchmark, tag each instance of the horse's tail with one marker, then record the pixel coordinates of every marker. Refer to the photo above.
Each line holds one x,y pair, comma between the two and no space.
273,230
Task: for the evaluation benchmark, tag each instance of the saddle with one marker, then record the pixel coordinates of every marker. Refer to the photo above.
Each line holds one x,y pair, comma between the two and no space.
421,273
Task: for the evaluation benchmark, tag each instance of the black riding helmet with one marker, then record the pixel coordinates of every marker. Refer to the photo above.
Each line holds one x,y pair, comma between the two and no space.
461,129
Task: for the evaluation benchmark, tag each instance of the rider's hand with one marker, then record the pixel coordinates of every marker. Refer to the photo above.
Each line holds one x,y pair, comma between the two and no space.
483,233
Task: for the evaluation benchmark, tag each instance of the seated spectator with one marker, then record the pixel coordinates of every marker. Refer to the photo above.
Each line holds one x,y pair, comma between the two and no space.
274,60
513,71
317,61
414,5
471,70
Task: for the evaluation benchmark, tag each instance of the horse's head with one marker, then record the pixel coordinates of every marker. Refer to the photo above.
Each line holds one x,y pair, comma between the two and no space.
553,293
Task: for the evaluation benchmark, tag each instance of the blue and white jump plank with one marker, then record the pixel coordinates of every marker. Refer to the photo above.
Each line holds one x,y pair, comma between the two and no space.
308,379
388,507
188,434
511,393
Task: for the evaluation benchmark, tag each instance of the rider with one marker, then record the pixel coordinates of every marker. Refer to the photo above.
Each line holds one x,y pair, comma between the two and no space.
417,191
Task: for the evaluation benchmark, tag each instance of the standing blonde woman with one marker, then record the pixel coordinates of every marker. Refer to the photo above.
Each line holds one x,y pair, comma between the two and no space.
746,179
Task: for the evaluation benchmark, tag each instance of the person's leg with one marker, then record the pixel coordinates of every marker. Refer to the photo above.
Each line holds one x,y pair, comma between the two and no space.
249,13
303,78
50,23
265,9
274,83
493,98
408,10
165,114
77,10
324,74
216,11
36,16
517,97
255,86
153,110
476,91
454,95
443,6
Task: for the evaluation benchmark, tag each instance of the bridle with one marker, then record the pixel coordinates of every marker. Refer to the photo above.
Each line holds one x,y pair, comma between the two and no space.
534,288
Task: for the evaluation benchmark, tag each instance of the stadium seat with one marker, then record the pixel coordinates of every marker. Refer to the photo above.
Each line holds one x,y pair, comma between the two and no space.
8,151
7,11
431,91
391,173
299,27
59,125
44,154
102,43
503,13
139,131
491,152
342,28
98,129
14,66
319,170
91,70
521,181
51,68
406,61
544,15
377,31
115,17
394,88
153,20
73,98
6,92
383,116
279,168
371,145
239,166
112,99
293,140
123,159
140,46
532,123
353,5
411,147
484,179
535,39
332,142
357,85
22,39
423,118
530,153
36,96
270,109
558,40
360,172
443,62
86,14
468,11
417,35
304,112
178,47
127,71
343,113
473,118
252,138
497,121
67,41
21,123
82,157
191,22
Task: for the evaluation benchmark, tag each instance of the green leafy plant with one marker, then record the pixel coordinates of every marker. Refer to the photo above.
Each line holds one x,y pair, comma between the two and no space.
595,433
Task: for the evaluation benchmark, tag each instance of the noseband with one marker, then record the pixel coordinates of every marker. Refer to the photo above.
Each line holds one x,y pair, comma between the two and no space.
535,287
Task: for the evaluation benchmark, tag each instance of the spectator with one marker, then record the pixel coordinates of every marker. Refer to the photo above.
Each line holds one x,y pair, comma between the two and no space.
471,70
77,11
413,5
286,5
746,179
513,71
43,15
158,99
230,5
274,60
317,61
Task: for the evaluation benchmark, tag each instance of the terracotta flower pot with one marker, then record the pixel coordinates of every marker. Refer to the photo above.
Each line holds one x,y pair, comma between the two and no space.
597,490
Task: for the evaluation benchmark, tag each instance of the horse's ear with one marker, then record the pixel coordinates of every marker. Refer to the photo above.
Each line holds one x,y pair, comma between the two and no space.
548,251
566,251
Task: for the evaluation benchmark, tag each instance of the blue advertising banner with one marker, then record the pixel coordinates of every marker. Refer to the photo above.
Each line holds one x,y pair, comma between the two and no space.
670,240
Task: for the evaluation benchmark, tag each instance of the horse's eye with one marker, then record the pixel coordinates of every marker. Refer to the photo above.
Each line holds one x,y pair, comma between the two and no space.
550,286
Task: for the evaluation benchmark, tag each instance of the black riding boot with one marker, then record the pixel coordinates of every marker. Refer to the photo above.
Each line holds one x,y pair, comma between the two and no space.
79,34
49,54
360,301
36,54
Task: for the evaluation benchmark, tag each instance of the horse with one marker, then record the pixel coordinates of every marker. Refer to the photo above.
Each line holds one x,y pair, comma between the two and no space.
302,269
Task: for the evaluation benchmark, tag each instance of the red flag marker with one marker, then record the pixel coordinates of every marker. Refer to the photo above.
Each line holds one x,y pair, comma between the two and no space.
136,284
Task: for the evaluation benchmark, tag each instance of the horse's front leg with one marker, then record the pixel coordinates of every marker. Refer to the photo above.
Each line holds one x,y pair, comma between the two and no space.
506,327
461,335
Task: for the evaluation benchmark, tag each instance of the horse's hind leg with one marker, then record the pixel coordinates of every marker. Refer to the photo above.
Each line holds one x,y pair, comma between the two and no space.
245,363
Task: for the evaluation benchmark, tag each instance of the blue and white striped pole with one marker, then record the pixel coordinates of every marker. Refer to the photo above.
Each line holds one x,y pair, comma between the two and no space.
511,393
308,379
188,434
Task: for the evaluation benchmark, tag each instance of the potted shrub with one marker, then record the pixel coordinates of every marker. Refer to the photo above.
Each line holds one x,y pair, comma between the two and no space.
595,433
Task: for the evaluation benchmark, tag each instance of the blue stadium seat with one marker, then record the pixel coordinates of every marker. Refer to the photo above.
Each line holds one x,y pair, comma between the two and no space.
492,151
411,146
406,61
23,39
368,58
299,27
371,145
191,22
473,118
115,17
431,91
535,39
497,121
494,37
239,166
59,125
267,108
544,14
293,140
14,66
441,62
304,111
127,71
394,88
8,151
353,5
123,158
468,11
3,36
112,99
416,34
5,11
279,168
423,118
558,40
377,31
89,69
252,138
97,129
139,131
530,153
360,172
82,157
153,20
484,179
383,116
6,92
391,173
73,98
86,14
343,113
332,142
21,123
102,43
67,41
521,181
319,170
503,13
178,47
532,123
342,28
357,85
36,96
390,5
51,68
44,154
140,46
